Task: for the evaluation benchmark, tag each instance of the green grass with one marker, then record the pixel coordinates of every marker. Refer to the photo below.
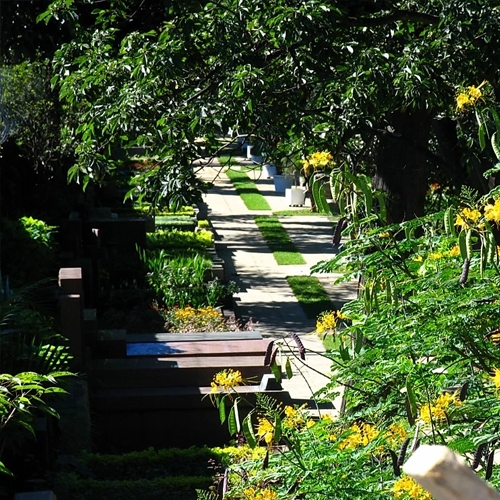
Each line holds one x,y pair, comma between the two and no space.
279,241
228,161
310,295
297,211
247,190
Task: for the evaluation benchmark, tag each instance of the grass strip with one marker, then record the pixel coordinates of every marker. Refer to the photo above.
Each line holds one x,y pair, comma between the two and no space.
310,295
247,190
278,240
304,211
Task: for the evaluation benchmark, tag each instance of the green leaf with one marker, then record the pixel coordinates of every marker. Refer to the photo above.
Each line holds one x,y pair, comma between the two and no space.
222,410
359,341
482,136
276,371
248,431
411,397
4,470
288,369
231,422
462,245
344,353
277,428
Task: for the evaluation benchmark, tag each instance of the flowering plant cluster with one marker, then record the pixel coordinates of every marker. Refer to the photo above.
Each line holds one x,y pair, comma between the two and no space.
468,97
321,160
417,362
191,319
327,321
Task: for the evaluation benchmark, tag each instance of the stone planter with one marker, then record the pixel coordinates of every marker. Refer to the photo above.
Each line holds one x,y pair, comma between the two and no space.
282,183
295,196
268,170
259,159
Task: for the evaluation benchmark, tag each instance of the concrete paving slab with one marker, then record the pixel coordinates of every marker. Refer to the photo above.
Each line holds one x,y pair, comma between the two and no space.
264,295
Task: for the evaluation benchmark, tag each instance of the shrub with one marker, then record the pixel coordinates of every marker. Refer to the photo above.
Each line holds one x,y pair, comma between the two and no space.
190,319
174,238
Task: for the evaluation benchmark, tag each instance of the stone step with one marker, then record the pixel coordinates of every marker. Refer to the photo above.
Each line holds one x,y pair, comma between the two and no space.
200,348
187,398
192,337
171,371
115,343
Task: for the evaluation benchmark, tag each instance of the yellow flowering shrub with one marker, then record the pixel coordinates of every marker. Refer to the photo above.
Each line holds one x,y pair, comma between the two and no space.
260,494
406,487
321,160
496,378
453,252
241,453
192,319
293,418
360,435
437,411
396,434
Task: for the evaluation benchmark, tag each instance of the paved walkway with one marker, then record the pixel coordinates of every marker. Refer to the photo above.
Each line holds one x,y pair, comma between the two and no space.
264,295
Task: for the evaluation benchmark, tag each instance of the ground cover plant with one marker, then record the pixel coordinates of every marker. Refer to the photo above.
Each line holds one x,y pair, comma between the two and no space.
278,240
172,474
310,294
295,212
247,190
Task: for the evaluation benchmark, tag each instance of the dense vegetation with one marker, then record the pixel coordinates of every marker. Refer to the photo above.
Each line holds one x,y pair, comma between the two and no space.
374,83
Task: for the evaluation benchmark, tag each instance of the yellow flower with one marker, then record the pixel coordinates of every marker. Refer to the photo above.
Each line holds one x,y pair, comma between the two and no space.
263,494
226,379
466,217
327,321
396,434
361,435
496,378
462,100
406,487
492,212
437,412
435,255
474,93
470,96
454,252
265,431
293,418
317,161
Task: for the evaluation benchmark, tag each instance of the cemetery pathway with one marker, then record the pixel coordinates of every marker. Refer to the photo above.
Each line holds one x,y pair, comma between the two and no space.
265,295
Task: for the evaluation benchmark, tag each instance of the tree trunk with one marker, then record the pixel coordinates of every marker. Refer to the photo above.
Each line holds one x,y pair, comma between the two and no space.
402,164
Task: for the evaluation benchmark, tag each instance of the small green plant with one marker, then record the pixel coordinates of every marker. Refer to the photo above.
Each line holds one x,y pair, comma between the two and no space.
203,224
39,230
23,396
175,238
180,281
29,250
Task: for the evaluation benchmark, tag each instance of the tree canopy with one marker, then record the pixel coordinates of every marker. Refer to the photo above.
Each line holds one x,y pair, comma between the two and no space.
372,81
